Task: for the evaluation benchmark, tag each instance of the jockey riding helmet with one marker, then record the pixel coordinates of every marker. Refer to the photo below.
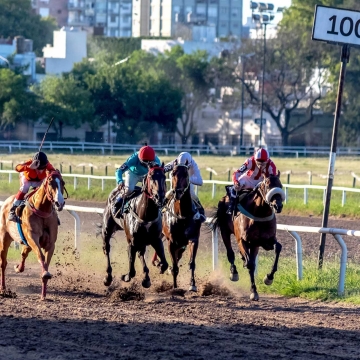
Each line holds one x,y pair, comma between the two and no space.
261,157
146,154
42,160
183,157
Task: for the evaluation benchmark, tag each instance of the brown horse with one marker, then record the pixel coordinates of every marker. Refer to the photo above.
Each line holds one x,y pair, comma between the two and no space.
39,226
141,222
179,227
254,225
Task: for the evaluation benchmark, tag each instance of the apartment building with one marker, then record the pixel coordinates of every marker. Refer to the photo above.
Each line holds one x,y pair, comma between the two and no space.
190,19
57,9
103,17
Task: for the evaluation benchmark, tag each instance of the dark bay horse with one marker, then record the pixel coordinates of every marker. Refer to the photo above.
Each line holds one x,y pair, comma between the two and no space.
253,225
141,223
39,224
179,227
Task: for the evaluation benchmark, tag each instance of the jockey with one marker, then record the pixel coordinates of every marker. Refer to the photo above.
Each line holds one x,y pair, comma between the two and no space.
32,174
250,174
135,169
195,179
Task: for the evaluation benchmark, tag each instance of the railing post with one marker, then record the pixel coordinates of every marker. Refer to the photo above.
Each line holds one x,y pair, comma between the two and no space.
77,227
229,173
89,183
305,195
343,199
354,181
83,169
102,184
106,170
213,190
92,170
10,177
215,248
61,167
286,195
75,183
288,178
70,169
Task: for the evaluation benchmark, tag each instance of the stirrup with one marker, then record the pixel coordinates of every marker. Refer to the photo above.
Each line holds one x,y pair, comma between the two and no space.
12,216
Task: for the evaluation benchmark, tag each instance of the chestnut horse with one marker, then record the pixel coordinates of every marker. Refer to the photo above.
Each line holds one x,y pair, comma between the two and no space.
254,225
38,224
179,227
141,222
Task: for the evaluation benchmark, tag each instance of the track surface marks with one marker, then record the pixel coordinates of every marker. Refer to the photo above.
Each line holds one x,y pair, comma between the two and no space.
81,321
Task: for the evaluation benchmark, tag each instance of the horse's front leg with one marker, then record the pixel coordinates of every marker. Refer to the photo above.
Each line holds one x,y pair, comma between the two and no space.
193,246
5,242
25,251
226,236
158,246
131,255
146,283
251,265
174,259
107,230
268,279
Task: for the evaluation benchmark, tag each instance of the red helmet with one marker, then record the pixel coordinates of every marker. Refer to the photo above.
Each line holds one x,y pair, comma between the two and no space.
261,155
146,153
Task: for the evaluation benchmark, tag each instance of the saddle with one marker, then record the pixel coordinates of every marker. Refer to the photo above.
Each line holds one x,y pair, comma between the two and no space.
121,207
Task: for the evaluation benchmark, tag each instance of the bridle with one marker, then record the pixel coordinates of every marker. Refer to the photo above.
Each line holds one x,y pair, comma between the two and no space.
147,185
188,182
54,174
267,193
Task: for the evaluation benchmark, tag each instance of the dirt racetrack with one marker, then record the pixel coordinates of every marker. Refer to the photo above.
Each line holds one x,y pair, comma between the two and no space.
81,321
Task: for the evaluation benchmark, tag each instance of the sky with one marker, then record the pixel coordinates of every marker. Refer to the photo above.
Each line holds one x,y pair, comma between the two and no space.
277,3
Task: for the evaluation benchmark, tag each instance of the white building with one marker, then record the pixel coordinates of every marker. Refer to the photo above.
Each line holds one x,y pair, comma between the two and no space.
23,55
189,19
69,48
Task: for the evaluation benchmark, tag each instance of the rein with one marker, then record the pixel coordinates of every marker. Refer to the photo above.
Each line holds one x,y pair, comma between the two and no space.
147,224
38,212
145,188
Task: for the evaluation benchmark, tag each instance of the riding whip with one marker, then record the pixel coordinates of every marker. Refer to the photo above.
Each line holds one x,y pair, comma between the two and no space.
42,142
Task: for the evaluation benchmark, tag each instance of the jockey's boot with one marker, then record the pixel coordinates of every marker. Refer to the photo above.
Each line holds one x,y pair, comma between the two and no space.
198,210
231,206
12,215
117,207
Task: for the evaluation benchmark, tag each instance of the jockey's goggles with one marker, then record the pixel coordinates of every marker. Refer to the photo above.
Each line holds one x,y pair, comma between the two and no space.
260,163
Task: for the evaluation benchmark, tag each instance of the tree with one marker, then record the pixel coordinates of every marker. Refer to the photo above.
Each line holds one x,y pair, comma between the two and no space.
293,78
299,17
66,102
16,18
16,102
193,75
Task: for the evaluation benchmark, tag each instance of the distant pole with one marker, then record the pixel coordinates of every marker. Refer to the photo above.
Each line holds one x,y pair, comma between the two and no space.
242,106
345,55
262,88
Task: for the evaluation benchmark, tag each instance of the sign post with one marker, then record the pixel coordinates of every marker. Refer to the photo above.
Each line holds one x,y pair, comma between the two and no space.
340,27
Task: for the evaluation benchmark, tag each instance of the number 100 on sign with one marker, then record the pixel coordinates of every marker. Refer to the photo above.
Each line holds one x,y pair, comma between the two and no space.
334,25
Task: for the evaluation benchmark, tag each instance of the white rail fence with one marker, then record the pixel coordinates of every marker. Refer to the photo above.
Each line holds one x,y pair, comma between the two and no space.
214,183
73,146
291,229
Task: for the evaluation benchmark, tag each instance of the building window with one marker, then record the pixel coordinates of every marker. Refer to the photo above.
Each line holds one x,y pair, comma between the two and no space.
235,12
223,10
112,18
212,11
44,12
223,24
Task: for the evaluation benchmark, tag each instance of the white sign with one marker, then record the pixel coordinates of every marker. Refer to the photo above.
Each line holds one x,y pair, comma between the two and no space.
340,26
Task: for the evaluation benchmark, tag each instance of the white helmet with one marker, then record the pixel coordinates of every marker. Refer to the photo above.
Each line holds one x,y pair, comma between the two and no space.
183,157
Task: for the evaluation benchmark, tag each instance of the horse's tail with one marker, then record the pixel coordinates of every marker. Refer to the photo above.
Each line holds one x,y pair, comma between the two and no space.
219,217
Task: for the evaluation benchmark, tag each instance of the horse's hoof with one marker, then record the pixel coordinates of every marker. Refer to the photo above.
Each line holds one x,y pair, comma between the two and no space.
146,283
156,263
169,270
268,281
108,280
126,278
254,296
234,276
163,268
193,288
46,275
17,270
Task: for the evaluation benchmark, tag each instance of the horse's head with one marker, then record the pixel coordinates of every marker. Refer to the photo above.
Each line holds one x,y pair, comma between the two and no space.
155,184
180,179
55,187
272,192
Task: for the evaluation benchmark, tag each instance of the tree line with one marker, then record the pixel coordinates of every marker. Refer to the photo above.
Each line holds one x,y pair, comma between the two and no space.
141,92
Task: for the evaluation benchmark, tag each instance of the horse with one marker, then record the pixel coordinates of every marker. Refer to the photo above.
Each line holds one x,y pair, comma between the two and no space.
37,227
254,225
179,227
141,222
